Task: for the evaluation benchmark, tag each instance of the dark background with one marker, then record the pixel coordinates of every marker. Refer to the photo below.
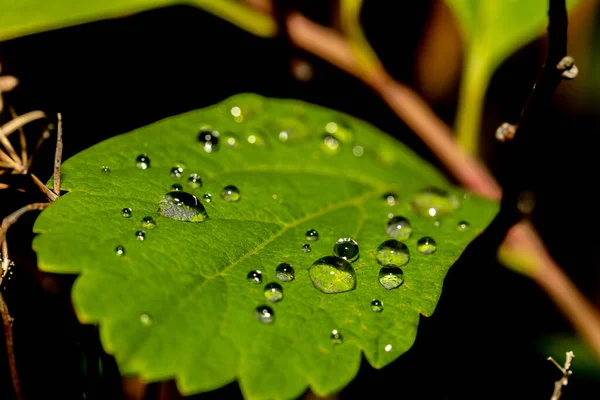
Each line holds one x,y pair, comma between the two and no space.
110,77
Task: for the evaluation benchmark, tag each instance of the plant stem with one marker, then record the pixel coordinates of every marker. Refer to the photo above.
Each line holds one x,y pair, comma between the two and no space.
58,156
8,337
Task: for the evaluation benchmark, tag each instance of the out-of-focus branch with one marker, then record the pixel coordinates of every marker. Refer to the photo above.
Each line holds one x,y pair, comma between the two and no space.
7,322
564,380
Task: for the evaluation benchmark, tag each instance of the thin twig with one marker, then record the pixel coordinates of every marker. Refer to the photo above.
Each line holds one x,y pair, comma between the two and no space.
58,156
50,195
12,218
20,121
22,139
566,371
7,322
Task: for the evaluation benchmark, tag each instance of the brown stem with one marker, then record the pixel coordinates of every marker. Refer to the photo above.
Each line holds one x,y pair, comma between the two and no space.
58,156
50,195
14,217
7,322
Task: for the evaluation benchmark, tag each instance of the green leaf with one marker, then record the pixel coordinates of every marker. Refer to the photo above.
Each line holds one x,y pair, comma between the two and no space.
179,305
492,30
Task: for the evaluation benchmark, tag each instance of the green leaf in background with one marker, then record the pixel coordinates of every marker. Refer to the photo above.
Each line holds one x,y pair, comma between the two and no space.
23,17
492,31
182,303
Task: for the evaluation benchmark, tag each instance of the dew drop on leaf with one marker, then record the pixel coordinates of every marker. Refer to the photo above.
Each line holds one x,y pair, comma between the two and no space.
285,272
426,245
105,170
306,248
330,144
230,193
391,277
346,248
176,172
146,319
176,186
392,252
332,274
312,235
358,151
142,161
434,202
377,306
336,337
120,251
463,226
194,181
388,348
182,206
254,276
207,197
126,212
390,198
273,292
399,228
231,140
209,139
140,235
265,314
148,223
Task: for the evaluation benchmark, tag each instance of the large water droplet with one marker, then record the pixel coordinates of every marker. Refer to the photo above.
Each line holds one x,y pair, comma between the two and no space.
207,197
120,251
194,181
236,112
146,319
463,226
209,138
254,276
140,235
285,272
148,223
434,202
399,228
230,193
176,172
142,161
273,292
426,245
306,248
391,277
182,206
376,305
176,186
390,198
330,144
336,337
126,212
105,170
392,252
346,248
332,274
312,235
265,314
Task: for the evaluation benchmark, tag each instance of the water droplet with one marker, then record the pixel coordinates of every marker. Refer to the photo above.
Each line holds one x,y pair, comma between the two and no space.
231,140
358,151
207,197
376,305
330,144
341,129
332,274
391,277
399,228
283,136
463,226
105,170
265,314
437,223
146,319
176,186
254,276
148,223
176,172
285,272
194,181
142,161
273,292
306,248
392,252
182,206
312,235
434,202
236,112
346,248
230,193
426,245
390,198
209,138
126,212
140,235
120,251
336,337
388,348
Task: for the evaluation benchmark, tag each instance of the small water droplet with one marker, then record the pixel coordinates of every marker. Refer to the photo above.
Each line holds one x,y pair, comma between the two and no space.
120,251
146,319
176,187
332,274
391,277
273,292
182,206
330,144
426,245
463,226
434,202
392,252
140,235
231,140
230,193
283,136
209,138
306,248
390,198
312,235
207,197
399,228
254,276
388,348
285,272
236,112
346,248
336,337
194,181
148,223
437,223
376,305
358,151
331,127
176,172
142,161
265,314
105,170
126,212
